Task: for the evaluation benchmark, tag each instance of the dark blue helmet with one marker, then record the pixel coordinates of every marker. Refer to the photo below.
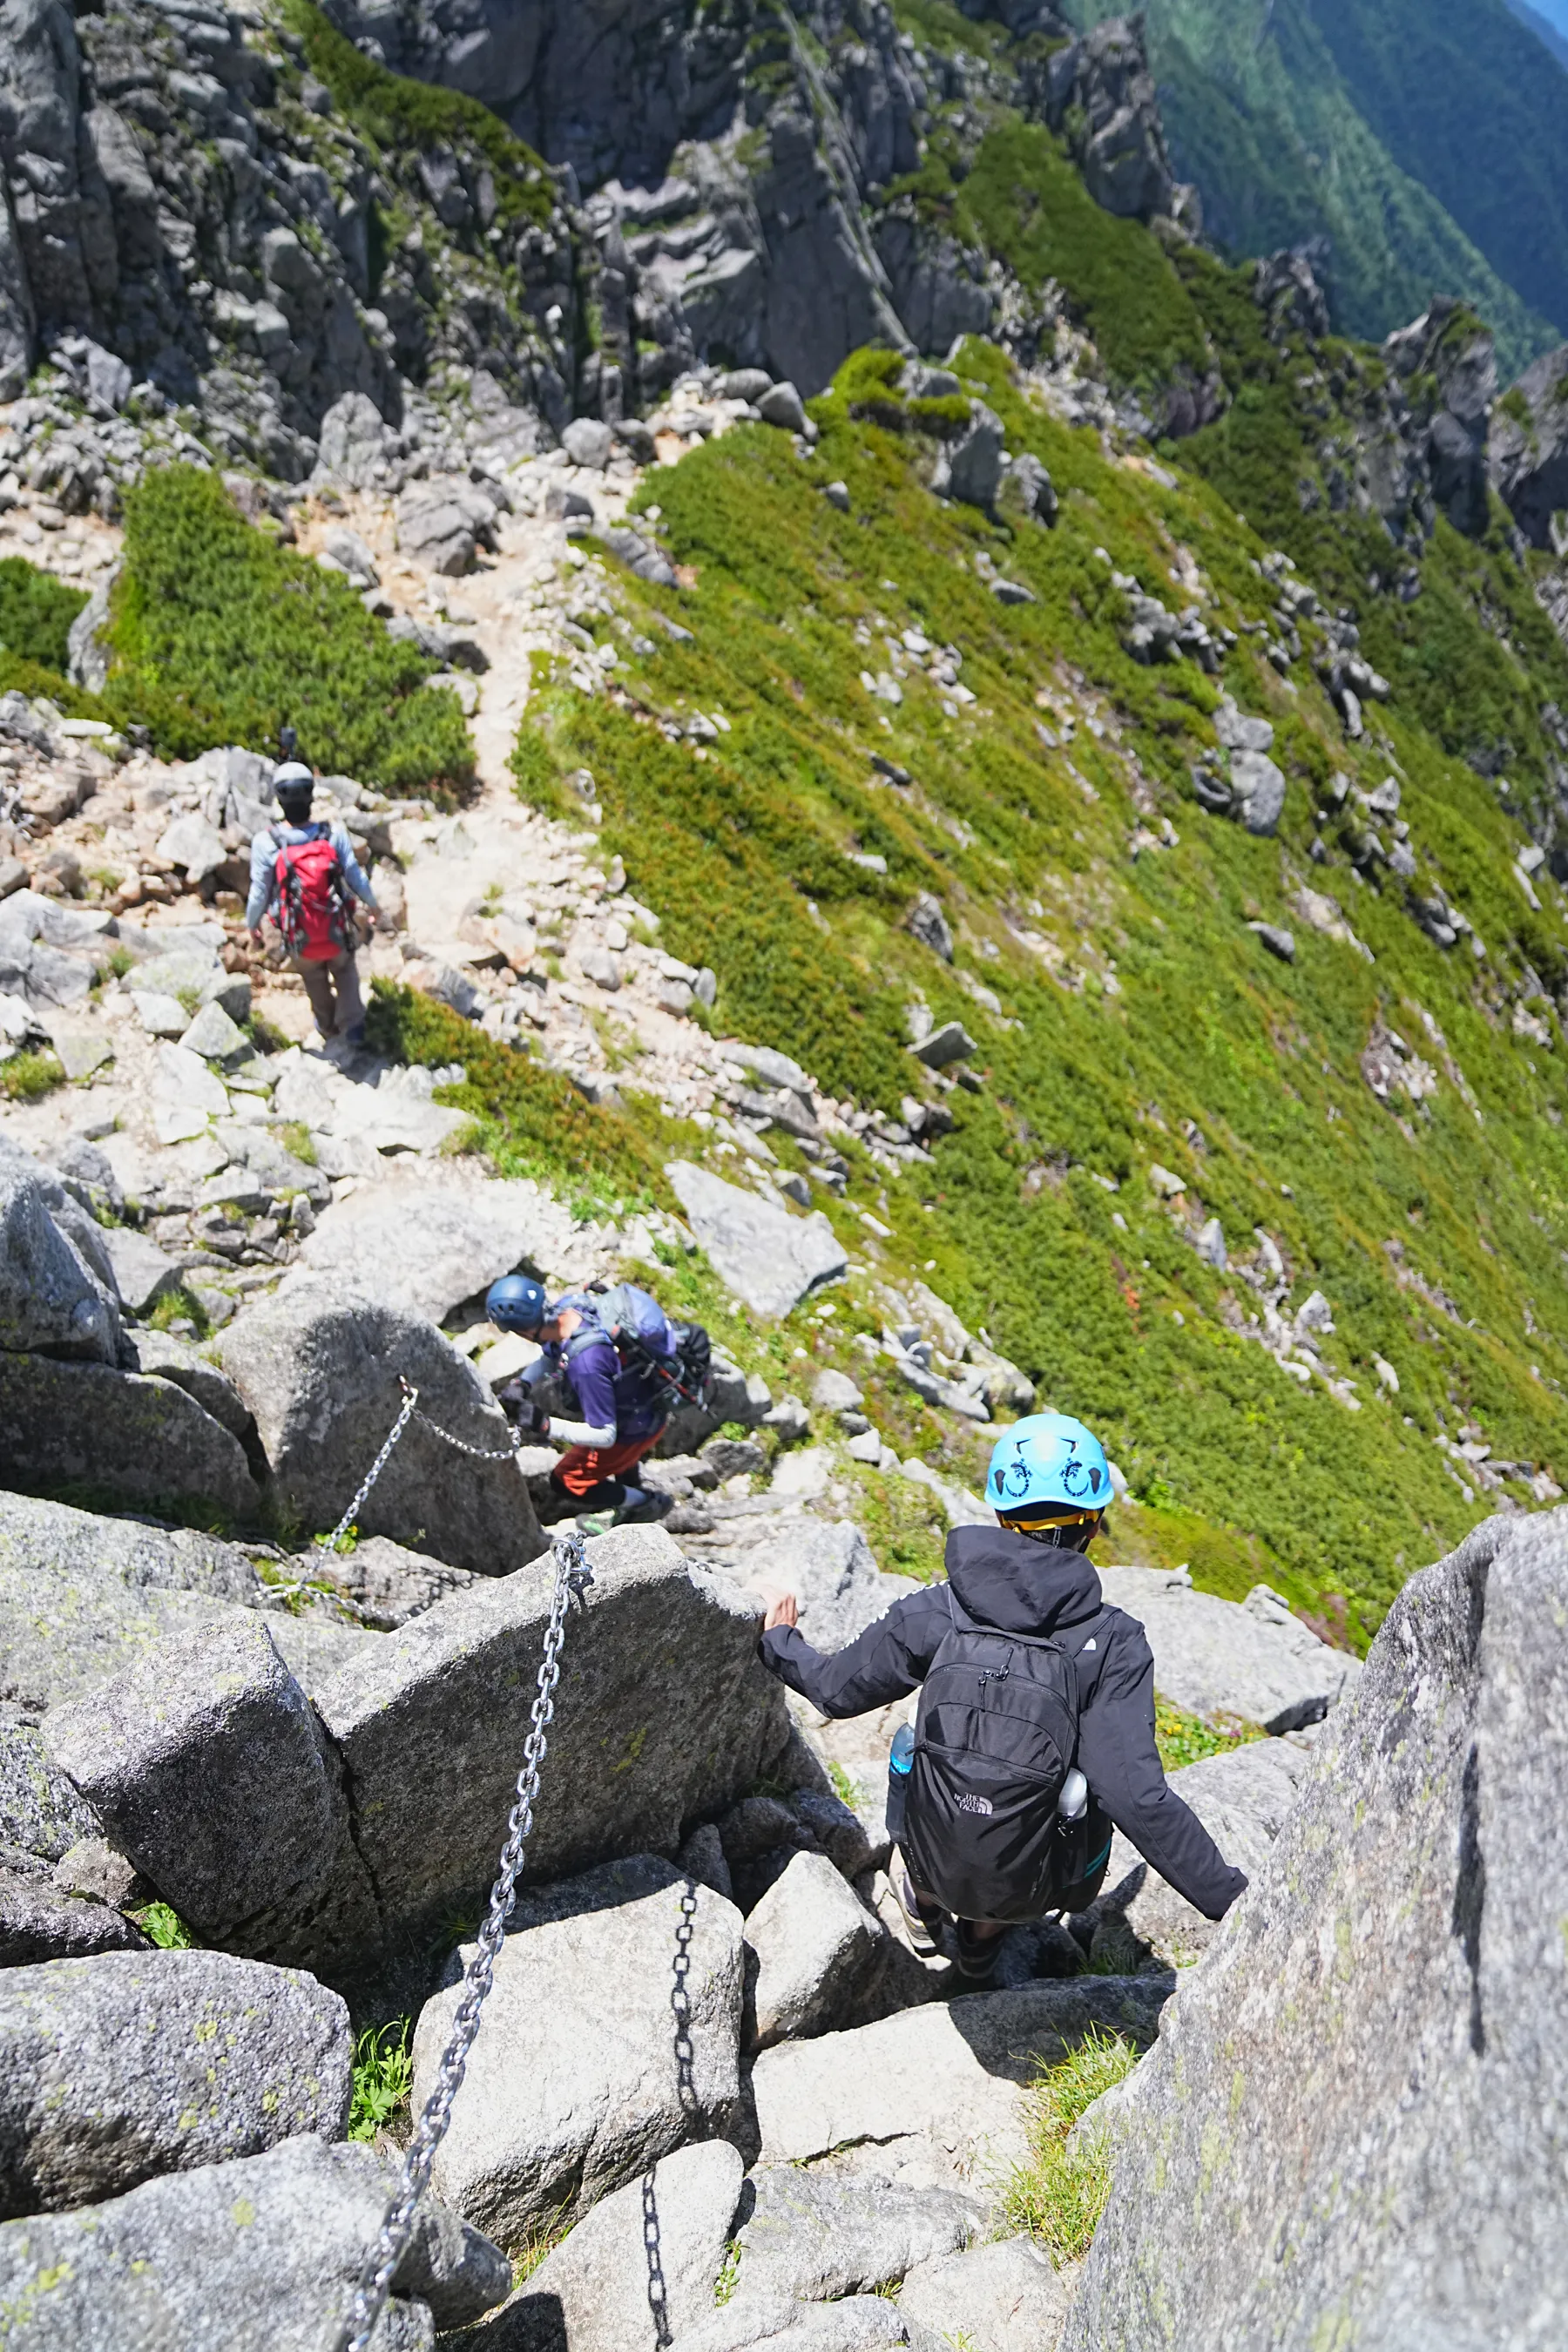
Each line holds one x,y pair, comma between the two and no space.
516,1303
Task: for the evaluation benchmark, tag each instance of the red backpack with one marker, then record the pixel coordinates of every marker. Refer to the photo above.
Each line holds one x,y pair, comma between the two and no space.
312,907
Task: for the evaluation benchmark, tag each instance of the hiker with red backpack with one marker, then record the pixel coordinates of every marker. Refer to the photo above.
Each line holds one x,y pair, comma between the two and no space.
307,878
1036,1729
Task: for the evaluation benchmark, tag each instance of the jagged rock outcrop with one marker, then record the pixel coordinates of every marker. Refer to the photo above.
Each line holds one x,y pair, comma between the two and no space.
1287,286
1404,442
1528,450
189,215
1450,358
1368,2067
193,220
1102,92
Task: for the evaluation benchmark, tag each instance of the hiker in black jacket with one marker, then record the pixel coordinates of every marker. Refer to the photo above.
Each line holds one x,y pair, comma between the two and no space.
1027,1576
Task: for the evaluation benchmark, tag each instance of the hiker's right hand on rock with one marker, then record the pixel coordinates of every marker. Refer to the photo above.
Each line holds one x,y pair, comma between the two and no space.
782,1610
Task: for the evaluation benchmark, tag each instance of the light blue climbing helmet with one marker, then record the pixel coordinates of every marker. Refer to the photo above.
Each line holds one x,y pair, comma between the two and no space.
1046,1471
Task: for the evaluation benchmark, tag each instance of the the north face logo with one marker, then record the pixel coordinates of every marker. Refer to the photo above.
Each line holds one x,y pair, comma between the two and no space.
971,1804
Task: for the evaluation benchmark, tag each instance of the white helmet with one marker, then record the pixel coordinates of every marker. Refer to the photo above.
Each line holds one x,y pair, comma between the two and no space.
289,775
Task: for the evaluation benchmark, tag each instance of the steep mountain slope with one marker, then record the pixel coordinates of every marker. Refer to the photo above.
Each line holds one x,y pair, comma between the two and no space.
1291,134
1130,1022
1264,994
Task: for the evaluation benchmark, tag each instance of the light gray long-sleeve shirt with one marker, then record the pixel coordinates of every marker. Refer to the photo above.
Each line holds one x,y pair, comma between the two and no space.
264,848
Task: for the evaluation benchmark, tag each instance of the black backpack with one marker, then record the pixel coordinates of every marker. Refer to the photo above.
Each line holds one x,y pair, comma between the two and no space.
994,1739
693,1364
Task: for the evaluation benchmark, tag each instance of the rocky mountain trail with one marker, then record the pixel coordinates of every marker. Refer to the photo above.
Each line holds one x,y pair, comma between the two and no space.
827,2119
804,490
189,1702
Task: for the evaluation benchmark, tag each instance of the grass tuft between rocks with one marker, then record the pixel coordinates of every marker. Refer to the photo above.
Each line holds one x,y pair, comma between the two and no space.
383,2079
1059,2194
179,1306
1185,1739
27,1077
162,1925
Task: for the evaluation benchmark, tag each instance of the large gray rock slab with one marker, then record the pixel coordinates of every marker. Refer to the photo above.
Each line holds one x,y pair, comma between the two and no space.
832,1571
40,1812
206,1766
663,1714
81,1594
815,2234
767,1257
943,2083
36,1534
48,1299
423,1729
121,1434
1243,1799
1368,2069
426,1243
1250,1659
651,2250
319,1369
257,2255
82,1597
1003,2297
815,1946
116,2069
611,2036
39,1923
171,1358
387,1584
861,2323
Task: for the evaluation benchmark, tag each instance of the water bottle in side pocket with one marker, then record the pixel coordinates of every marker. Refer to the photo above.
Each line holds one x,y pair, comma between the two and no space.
900,1758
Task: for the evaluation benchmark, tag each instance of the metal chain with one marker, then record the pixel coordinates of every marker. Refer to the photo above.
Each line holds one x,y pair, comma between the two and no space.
657,2292
410,1399
474,1453
572,1576
410,1411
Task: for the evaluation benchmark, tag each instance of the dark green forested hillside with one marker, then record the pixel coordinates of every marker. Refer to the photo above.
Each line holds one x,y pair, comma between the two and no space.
1461,99
1428,146
1551,29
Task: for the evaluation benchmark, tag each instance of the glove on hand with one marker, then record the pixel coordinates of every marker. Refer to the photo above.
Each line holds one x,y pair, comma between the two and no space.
522,1412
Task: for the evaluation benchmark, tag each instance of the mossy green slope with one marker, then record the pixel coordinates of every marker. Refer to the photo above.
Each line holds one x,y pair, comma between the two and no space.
220,636
1139,1018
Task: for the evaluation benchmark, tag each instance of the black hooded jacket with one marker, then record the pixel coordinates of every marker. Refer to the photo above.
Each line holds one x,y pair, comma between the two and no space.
1019,1587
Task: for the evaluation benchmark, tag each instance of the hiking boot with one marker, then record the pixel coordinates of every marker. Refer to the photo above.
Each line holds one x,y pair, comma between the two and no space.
595,1523
977,1954
920,1919
649,1508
